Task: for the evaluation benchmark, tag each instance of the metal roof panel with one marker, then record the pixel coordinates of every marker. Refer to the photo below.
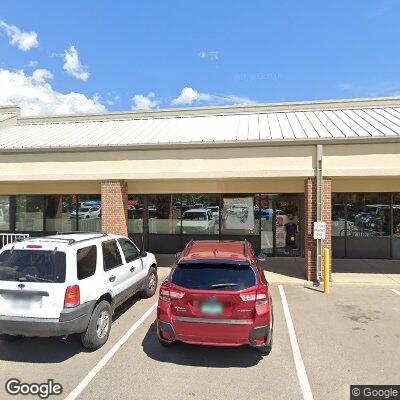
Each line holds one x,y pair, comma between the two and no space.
241,127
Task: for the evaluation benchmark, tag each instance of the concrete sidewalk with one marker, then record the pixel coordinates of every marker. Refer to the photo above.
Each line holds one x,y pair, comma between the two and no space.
291,270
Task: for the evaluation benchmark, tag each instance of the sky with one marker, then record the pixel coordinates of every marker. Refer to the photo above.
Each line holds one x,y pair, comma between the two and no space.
63,57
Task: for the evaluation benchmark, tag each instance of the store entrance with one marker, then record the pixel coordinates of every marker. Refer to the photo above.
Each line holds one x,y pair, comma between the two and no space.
280,225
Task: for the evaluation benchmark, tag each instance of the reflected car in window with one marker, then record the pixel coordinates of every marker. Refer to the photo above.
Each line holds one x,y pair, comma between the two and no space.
198,220
87,212
215,211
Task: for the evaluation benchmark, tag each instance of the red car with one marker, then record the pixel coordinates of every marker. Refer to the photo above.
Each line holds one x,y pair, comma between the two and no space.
216,294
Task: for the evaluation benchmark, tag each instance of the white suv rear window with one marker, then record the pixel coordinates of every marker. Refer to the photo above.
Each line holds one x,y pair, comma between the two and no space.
32,266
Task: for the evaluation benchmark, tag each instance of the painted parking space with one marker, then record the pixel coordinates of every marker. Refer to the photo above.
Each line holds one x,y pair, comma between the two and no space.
348,337
146,370
40,359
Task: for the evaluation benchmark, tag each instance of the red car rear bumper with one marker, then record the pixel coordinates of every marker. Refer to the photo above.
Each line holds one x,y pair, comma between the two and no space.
215,333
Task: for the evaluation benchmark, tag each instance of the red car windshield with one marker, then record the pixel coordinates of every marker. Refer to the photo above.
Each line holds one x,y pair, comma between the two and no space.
209,276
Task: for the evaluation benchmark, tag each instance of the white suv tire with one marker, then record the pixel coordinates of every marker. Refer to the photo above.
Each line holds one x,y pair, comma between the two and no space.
150,284
99,327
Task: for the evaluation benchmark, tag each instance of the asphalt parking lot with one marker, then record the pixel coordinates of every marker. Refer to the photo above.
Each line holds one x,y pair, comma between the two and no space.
351,336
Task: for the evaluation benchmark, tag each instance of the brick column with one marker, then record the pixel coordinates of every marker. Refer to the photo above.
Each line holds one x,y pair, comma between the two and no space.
310,211
114,207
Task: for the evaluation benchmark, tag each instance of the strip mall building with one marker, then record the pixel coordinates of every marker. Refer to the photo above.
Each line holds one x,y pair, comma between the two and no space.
165,177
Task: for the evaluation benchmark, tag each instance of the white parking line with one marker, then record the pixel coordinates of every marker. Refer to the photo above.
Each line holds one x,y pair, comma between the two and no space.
89,377
395,291
300,369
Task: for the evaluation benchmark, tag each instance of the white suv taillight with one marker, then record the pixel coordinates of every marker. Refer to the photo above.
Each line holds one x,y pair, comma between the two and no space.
167,295
72,296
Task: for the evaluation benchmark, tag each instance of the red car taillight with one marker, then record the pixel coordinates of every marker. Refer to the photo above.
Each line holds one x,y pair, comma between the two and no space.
72,296
168,294
261,299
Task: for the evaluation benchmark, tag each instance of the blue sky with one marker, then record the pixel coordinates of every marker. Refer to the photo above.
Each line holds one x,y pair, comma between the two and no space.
142,54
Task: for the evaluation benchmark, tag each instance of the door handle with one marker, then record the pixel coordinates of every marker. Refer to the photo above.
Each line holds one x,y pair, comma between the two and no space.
111,278
132,269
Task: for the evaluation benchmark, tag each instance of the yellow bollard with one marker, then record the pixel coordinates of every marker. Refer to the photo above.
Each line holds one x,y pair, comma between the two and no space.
327,257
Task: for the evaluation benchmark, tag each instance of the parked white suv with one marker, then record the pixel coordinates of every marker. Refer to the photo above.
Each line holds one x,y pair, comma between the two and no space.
87,212
70,283
197,220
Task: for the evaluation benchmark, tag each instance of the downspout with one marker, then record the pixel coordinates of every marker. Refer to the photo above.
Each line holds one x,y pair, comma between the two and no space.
320,196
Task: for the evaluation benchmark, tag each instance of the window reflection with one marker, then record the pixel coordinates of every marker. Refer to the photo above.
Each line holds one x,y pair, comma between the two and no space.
200,214
339,214
29,213
287,228
368,214
135,213
61,213
164,214
4,213
266,213
89,213
396,214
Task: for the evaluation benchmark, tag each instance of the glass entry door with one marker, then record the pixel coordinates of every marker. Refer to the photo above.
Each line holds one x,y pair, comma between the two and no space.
280,225
267,221
287,238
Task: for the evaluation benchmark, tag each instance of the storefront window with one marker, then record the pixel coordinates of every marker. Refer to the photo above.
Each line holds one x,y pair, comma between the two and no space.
164,214
89,213
339,214
239,215
135,213
368,214
396,226
200,214
4,213
61,213
396,214
29,213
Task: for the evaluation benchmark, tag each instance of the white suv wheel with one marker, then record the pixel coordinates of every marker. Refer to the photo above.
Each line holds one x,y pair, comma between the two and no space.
103,324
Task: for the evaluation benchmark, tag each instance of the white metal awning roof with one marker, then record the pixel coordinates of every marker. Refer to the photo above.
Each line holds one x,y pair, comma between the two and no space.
292,125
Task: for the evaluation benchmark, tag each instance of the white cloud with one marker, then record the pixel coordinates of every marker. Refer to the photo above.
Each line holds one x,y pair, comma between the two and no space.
35,95
74,66
142,102
23,40
32,64
41,75
189,96
212,55
202,54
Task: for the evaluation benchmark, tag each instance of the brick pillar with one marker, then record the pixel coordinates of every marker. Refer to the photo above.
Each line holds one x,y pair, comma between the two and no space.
310,210
114,207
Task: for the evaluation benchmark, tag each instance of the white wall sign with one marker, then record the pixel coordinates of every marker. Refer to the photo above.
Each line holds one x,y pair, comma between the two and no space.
319,230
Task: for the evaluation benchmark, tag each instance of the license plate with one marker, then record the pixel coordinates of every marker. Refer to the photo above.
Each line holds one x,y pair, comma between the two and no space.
212,308
23,302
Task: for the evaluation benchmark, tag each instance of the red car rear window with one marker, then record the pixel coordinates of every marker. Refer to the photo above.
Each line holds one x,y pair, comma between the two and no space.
208,276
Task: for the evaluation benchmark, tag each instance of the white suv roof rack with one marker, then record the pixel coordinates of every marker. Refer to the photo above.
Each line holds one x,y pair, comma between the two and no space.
54,238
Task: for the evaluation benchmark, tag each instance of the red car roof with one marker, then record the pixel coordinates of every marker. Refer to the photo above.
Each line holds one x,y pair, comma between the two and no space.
214,249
